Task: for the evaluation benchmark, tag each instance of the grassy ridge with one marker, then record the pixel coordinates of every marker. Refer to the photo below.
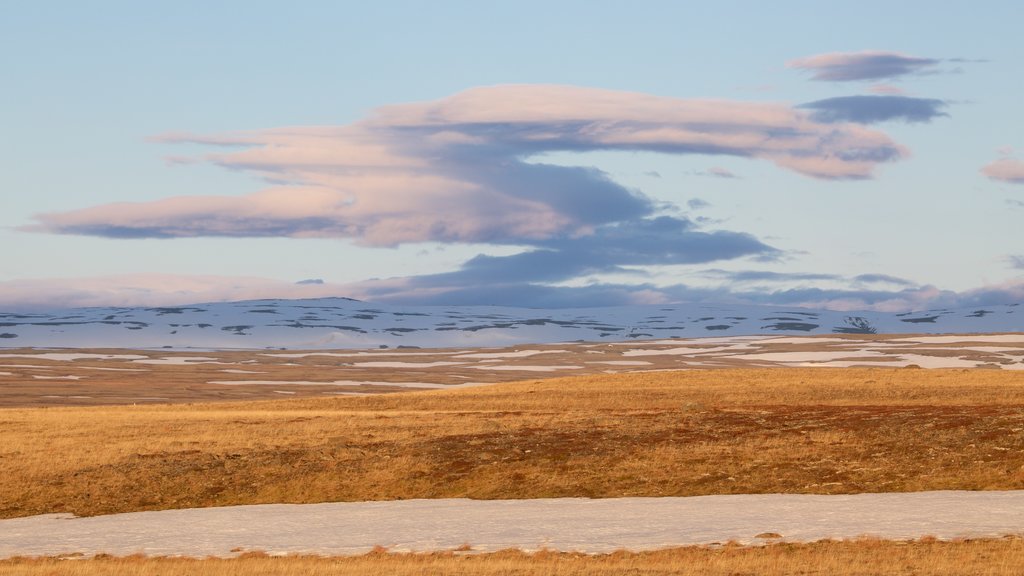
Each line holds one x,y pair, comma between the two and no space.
648,434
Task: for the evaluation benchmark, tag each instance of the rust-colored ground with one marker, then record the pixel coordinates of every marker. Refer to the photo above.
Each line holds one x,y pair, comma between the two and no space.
650,434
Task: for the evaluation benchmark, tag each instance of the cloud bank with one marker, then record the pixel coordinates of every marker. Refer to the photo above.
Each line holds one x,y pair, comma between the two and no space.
458,169
867,293
867,65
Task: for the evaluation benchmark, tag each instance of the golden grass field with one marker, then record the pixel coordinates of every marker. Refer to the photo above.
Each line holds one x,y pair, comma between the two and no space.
646,434
859,558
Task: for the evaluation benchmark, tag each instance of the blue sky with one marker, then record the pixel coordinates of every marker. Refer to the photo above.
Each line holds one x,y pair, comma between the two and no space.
572,182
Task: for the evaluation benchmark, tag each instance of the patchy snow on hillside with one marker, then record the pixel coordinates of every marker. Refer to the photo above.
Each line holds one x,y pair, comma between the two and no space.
328,323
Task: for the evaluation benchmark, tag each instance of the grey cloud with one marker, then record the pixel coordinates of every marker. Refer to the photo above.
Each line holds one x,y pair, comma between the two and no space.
585,194
874,109
768,276
655,241
698,203
210,224
748,276
883,278
871,65
1016,261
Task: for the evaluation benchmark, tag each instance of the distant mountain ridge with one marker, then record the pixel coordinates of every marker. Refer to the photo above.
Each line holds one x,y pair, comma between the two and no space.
345,323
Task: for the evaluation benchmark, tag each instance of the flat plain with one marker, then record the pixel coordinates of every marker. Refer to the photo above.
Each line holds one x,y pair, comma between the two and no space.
656,432
811,430
85,377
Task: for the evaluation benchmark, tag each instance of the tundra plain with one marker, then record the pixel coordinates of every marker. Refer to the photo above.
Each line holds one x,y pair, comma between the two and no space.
657,432
70,377
810,430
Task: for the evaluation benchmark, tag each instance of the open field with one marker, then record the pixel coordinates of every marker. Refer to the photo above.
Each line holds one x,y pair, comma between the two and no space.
823,431
1003,557
84,377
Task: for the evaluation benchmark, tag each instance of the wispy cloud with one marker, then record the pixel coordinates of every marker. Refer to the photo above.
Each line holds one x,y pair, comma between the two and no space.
867,65
1016,261
1005,170
651,242
886,89
759,276
769,277
719,172
457,169
882,279
875,109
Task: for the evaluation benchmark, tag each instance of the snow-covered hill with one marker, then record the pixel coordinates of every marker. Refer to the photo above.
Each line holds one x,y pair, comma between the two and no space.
345,323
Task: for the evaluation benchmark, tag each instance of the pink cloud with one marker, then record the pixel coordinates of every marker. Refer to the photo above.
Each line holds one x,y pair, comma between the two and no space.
150,290
455,169
1005,170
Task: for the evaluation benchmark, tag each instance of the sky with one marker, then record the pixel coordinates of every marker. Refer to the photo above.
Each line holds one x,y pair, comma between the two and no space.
848,156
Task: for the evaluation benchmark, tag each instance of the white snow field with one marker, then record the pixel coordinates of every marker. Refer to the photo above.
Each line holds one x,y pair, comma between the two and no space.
333,323
565,524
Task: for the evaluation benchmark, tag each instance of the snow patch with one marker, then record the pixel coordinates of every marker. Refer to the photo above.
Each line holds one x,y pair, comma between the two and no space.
65,357
563,524
507,367
516,354
405,364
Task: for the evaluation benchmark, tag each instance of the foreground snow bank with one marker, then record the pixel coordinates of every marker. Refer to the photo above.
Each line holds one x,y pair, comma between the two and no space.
567,524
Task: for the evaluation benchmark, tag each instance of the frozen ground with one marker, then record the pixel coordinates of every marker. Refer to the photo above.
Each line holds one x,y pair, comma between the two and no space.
568,524
64,377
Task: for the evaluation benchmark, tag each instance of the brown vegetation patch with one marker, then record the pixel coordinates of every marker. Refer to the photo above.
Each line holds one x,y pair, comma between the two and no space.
655,434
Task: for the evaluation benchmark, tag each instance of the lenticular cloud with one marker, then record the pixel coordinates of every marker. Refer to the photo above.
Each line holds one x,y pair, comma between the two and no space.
458,169
867,65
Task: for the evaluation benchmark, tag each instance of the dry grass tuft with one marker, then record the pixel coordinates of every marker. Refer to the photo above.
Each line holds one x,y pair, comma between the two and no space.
858,558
